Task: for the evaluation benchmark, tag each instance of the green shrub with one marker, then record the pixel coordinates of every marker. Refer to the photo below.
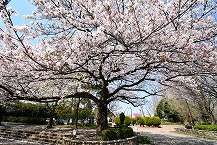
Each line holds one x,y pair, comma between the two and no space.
116,133
89,126
205,123
127,120
148,121
122,117
206,127
156,121
171,123
108,134
133,121
140,120
117,120
144,140
127,132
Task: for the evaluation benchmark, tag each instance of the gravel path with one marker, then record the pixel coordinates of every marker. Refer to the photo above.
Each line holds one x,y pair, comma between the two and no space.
166,136
160,139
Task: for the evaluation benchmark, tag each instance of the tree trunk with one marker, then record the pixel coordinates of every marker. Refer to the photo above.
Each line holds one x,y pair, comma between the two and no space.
102,117
190,114
212,118
52,109
68,120
76,113
50,123
1,113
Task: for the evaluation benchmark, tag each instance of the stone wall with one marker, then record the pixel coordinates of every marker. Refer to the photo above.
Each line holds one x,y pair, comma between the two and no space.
59,138
197,132
128,141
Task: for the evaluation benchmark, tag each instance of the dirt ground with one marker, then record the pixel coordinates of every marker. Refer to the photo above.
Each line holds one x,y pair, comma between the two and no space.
164,130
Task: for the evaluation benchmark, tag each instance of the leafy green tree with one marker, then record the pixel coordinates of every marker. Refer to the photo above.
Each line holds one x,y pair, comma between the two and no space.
165,111
75,109
64,109
85,109
159,110
26,109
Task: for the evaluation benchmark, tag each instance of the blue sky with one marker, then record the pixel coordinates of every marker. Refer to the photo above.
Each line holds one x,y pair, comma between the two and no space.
24,8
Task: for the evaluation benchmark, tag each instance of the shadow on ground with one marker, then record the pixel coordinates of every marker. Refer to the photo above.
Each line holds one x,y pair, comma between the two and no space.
159,139
7,141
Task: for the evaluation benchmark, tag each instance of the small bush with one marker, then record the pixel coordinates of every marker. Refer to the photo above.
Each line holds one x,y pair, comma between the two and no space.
140,120
127,132
108,134
117,120
116,133
206,127
156,121
148,121
133,121
127,120
144,140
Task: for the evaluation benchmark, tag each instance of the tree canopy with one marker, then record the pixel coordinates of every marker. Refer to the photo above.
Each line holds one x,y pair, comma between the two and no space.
114,48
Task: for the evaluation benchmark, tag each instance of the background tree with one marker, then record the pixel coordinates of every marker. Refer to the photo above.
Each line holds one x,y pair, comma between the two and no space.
117,48
64,109
25,112
166,111
26,109
74,109
199,91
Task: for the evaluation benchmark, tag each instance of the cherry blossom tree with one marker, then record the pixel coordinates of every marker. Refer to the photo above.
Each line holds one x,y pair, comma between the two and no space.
3,3
106,50
201,92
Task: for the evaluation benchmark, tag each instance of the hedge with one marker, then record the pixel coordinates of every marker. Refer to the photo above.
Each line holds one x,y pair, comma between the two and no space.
26,120
206,127
156,121
127,120
116,133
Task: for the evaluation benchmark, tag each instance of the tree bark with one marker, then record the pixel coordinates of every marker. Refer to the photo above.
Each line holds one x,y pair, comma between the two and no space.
1,113
50,123
190,114
212,117
52,109
102,117
76,113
